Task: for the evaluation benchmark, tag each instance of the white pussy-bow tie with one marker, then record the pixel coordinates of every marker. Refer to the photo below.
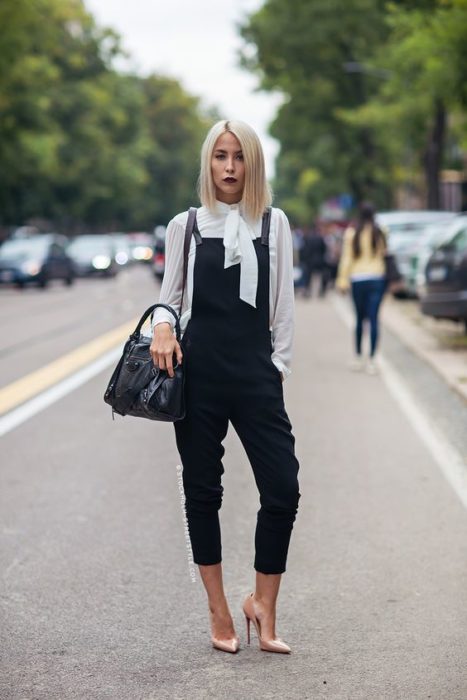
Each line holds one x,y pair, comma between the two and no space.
239,248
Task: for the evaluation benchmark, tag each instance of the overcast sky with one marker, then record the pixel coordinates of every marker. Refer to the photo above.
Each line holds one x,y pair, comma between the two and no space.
197,42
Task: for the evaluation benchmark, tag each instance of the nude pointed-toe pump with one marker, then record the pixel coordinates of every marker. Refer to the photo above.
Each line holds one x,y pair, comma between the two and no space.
276,644
231,645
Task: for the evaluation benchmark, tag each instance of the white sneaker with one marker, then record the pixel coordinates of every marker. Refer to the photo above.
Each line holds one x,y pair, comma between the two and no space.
371,367
356,364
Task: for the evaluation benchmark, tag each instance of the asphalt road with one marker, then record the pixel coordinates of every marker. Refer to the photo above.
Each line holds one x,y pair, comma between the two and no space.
97,600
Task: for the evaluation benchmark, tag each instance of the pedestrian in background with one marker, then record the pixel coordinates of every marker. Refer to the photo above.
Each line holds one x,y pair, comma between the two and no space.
333,240
237,323
362,268
312,257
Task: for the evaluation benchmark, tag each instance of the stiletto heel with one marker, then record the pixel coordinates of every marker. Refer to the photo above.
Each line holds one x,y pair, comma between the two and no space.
276,645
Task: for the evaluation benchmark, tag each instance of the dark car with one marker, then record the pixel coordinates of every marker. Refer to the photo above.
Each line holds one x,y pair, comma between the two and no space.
36,260
158,258
142,245
446,278
94,255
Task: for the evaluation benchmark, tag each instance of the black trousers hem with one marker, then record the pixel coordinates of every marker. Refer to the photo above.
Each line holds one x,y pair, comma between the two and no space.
207,562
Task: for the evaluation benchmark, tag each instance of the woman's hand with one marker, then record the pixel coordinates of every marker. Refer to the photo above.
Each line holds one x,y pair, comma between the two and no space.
342,289
164,345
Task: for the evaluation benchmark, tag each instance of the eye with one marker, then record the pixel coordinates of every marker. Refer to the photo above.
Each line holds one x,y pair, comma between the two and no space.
240,156
219,156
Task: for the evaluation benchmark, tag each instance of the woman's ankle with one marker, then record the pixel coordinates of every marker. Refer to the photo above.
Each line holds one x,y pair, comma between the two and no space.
218,606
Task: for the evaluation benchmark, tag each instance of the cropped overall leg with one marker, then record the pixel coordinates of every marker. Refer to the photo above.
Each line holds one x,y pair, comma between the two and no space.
265,432
199,439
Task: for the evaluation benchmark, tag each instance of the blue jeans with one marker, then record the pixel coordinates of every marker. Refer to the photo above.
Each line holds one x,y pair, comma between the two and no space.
367,296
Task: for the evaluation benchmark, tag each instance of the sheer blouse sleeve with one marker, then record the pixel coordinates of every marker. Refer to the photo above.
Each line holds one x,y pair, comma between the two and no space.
283,299
171,289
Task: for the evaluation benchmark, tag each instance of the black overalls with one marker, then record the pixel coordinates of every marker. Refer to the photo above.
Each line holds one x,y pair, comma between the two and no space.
230,376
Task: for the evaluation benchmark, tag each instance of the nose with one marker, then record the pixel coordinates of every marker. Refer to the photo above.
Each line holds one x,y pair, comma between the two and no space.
230,165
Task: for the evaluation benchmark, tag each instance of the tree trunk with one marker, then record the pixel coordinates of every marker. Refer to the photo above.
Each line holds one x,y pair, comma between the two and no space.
434,155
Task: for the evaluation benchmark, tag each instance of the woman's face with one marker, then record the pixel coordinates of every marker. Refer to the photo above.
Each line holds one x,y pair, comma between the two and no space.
228,169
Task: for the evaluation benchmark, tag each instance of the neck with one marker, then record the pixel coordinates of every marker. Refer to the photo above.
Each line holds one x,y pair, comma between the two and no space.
228,198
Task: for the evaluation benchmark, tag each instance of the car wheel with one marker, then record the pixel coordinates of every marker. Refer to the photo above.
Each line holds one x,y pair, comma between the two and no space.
43,281
69,280
19,285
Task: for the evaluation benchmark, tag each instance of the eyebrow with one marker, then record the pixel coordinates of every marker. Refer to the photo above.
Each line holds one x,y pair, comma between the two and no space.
222,150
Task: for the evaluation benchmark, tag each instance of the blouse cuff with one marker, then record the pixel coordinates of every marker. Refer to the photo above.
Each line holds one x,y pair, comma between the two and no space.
282,368
161,315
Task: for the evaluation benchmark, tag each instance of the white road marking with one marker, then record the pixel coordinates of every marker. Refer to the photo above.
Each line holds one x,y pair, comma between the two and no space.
449,460
38,403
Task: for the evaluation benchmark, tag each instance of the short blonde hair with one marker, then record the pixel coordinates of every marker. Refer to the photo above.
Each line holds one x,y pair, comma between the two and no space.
256,192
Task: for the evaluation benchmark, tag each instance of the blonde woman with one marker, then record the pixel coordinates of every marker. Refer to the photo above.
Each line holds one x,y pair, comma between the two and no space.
237,329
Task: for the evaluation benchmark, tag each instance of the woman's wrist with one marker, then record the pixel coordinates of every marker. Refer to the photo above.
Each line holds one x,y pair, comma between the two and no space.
165,324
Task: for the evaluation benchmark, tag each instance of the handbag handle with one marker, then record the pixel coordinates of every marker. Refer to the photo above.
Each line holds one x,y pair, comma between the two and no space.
148,312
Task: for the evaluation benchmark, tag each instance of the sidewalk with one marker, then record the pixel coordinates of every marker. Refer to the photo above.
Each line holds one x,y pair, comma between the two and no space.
442,344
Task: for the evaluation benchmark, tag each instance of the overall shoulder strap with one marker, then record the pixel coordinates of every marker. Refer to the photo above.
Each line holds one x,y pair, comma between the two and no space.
266,225
191,229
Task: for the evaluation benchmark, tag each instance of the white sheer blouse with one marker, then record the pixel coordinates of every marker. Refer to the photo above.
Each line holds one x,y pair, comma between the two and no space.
228,223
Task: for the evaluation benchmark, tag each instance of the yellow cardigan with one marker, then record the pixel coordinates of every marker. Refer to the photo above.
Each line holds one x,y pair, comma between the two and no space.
367,263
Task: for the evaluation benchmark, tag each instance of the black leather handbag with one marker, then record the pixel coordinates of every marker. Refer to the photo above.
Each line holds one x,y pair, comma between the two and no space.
138,388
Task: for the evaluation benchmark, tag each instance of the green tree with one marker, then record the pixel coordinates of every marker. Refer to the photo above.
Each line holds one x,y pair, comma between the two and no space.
423,102
80,143
177,129
303,48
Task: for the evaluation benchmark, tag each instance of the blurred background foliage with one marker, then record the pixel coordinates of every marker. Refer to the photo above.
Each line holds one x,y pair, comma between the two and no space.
375,96
79,141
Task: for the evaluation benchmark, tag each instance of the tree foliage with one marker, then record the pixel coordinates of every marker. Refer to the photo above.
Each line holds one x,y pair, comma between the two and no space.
80,143
363,83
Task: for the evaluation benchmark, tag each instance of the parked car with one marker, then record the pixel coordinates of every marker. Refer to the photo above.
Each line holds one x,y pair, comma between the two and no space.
123,251
93,255
158,258
446,277
142,245
405,229
432,238
37,259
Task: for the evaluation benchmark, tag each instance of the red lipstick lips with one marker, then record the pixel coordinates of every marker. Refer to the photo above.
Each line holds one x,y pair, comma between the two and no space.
230,179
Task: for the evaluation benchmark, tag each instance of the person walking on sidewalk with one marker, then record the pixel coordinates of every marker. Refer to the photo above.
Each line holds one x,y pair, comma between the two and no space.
312,256
362,268
237,330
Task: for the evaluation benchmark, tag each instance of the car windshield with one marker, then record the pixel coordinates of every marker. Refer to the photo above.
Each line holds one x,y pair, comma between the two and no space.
460,240
401,236
90,244
435,233
23,248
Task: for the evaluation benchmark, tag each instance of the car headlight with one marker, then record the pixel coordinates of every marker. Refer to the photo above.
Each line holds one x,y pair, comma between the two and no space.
121,257
101,262
142,252
31,267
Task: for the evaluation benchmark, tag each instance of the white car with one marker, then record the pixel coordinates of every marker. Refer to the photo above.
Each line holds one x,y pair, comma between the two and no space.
406,230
